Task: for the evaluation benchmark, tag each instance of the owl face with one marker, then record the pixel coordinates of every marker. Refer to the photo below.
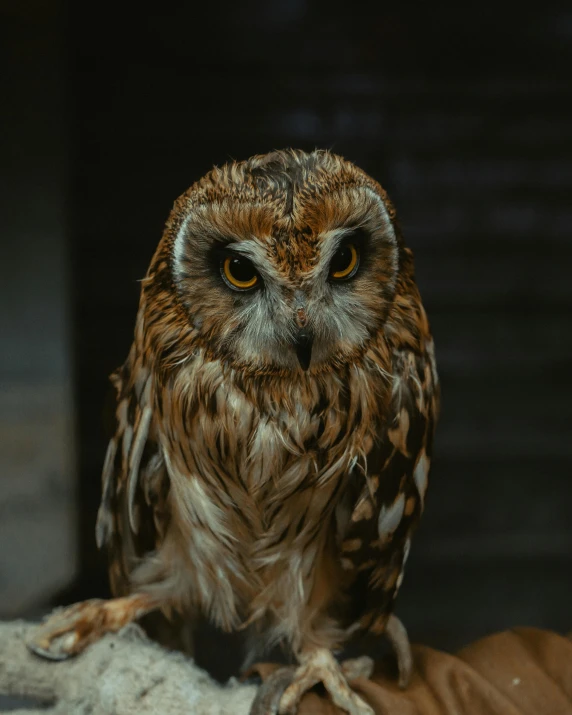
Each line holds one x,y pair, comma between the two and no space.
284,263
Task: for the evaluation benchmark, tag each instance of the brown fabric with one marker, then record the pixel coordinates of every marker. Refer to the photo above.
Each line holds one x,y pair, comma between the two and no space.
524,671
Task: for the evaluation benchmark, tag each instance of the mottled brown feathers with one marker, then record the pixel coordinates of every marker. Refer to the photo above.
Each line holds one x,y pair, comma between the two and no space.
238,485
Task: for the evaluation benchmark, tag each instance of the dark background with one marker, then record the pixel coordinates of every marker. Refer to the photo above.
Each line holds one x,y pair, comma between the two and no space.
464,116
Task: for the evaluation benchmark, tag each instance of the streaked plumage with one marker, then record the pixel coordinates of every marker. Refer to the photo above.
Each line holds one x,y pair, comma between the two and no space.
239,485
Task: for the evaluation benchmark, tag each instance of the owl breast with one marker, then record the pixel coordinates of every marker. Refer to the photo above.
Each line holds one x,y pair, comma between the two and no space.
254,488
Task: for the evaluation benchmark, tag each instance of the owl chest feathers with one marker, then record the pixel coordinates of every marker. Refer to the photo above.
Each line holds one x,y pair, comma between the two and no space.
255,484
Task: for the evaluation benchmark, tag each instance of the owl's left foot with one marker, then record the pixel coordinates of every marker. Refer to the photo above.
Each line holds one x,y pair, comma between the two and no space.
68,631
281,693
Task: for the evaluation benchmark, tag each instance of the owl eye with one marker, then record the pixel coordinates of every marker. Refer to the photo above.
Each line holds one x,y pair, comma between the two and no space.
238,273
345,262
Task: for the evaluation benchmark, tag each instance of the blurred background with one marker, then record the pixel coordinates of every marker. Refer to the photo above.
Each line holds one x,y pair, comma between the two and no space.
465,116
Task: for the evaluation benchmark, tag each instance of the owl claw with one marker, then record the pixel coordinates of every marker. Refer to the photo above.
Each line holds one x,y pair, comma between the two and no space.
47,654
397,635
267,700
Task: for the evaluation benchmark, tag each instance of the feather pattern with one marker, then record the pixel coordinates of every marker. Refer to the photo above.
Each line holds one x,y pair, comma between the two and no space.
238,485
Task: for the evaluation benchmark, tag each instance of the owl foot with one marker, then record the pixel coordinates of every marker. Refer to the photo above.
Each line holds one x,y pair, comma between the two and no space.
397,636
68,631
281,693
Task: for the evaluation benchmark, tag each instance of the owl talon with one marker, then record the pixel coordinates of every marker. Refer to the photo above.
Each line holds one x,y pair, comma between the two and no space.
397,635
267,700
39,650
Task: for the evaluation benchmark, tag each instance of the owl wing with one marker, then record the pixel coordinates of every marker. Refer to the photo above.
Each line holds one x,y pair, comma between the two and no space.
132,515
389,505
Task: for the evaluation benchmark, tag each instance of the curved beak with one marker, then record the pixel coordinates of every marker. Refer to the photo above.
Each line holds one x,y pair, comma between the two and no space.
303,346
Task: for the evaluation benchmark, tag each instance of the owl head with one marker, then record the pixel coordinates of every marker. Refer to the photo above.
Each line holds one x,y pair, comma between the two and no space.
281,264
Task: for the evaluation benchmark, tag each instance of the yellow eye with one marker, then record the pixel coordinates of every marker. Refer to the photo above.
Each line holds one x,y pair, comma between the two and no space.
239,273
345,262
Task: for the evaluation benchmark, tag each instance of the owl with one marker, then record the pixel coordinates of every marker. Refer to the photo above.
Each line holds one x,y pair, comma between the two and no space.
274,426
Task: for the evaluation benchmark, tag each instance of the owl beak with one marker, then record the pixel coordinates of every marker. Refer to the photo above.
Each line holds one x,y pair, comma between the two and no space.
303,346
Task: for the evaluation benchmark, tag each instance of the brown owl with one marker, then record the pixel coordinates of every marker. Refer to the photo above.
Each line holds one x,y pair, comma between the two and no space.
275,418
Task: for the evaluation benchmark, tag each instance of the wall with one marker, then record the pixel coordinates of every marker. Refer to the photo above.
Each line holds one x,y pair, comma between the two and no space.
37,491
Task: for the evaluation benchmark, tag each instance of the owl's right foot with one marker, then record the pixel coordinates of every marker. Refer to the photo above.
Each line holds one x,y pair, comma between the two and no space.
67,632
281,693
